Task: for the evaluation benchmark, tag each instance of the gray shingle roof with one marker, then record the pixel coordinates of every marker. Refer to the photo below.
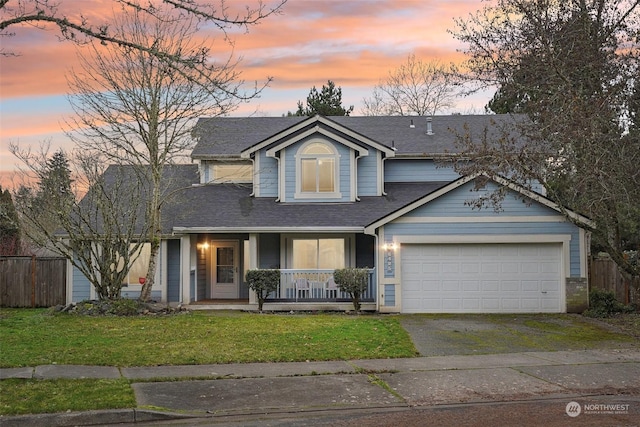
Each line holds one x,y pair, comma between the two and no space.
228,136
229,207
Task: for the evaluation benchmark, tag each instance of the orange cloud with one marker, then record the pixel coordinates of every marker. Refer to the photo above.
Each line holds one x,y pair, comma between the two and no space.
354,43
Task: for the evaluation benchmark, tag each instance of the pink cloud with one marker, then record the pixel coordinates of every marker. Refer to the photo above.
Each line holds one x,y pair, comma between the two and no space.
354,43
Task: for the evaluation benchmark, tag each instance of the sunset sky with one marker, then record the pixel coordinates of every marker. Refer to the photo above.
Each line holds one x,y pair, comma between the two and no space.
351,42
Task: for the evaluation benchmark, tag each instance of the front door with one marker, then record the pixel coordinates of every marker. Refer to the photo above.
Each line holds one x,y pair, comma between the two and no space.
225,270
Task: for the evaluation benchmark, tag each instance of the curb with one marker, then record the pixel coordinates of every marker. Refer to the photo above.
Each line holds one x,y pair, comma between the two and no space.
88,418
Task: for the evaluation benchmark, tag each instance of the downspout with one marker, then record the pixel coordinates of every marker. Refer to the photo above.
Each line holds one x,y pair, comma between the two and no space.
279,183
253,167
356,198
384,193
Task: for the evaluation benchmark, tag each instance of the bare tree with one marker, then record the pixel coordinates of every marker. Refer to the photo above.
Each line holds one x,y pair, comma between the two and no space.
571,69
77,27
133,109
96,230
415,88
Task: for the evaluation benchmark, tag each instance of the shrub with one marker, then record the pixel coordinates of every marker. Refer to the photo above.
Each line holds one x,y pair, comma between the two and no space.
353,281
604,304
263,282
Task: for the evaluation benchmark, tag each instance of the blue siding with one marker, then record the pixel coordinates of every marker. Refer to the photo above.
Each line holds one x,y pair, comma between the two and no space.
368,175
269,251
173,270
267,176
81,287
414,170
155,295
453,204
389,295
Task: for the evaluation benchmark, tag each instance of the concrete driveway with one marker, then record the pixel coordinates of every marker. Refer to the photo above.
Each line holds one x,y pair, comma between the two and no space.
469,334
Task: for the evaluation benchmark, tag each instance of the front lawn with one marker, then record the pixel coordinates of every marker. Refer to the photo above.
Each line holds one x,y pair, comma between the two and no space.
35,337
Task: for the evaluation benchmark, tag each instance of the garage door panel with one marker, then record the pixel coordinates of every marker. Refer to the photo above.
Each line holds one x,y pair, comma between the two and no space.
510,267
471,304
431,267
490,285
471,267
450,285
431,285
509,286
470,285
481,278
490,267
550,286
529,267
530,303
451,304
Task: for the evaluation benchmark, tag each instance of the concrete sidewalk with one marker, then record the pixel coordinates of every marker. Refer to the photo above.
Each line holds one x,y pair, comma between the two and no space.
266,388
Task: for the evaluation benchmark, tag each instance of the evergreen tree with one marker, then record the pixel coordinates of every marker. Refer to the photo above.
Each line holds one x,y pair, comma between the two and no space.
54,195
9,225
327,102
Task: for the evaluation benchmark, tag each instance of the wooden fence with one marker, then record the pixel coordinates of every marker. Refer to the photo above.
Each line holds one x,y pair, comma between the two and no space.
32,282
604,274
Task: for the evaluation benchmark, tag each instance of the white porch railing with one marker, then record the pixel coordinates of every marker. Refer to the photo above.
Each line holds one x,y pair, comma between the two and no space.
314,285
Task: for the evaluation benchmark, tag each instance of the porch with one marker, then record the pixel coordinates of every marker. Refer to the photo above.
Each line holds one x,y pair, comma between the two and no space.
299,290
316,285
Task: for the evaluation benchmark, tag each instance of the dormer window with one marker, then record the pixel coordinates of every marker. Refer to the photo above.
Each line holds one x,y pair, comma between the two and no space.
318,171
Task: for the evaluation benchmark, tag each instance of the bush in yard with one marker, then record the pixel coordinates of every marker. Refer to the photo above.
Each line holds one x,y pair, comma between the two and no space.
263,282
604,304
353,281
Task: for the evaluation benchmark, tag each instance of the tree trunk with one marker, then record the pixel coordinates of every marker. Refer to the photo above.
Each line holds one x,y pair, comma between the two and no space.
145,293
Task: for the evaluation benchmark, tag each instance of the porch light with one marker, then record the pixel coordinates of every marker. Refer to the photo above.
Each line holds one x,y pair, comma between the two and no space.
390,246
204,246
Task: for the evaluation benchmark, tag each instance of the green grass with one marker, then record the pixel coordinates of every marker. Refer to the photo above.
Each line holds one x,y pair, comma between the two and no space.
19,396
34,337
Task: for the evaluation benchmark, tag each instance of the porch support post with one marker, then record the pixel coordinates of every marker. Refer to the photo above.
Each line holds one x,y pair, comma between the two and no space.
253,262
185,269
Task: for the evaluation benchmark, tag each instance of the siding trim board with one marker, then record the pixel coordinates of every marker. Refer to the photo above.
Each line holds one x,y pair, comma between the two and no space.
483,219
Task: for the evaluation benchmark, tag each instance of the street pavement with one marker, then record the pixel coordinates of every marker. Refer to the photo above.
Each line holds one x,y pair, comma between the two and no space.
221,392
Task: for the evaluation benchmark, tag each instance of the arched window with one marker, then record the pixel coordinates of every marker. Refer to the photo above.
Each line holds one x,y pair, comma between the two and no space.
318,163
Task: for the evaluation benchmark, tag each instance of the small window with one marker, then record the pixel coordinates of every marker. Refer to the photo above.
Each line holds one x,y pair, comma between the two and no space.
232,173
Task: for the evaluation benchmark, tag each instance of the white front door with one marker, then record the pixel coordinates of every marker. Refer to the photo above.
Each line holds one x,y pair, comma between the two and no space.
224,270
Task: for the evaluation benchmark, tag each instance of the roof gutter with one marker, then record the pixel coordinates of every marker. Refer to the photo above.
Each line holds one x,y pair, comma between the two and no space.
305,229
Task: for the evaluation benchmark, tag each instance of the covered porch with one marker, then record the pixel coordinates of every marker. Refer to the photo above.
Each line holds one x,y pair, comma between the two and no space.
219,263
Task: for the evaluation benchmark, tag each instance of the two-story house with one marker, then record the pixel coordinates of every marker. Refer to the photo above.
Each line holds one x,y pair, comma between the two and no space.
308,195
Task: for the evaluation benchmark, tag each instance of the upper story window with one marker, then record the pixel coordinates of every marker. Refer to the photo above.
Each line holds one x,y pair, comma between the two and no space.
220,173
318,165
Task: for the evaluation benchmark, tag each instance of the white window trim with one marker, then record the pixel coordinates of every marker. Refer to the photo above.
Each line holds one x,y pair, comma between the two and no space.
286,241
299,194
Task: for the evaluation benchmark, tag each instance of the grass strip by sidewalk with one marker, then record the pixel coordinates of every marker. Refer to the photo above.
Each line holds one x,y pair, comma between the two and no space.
19,396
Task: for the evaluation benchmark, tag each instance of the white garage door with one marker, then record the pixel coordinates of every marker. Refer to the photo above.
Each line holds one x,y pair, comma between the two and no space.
482,278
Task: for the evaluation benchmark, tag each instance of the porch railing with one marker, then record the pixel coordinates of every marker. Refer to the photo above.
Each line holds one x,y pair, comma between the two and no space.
317,287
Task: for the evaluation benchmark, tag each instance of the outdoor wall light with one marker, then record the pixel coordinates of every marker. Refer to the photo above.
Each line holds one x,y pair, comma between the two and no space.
389,246
204,246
